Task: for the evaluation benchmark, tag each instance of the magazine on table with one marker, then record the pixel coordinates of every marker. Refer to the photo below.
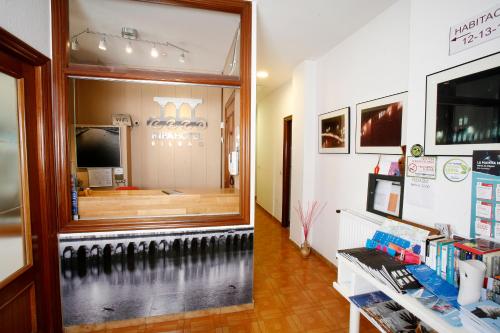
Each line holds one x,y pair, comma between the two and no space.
439,306
484,316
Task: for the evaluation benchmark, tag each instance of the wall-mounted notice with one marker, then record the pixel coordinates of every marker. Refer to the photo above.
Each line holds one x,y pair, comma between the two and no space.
476,30
485,200
423,167
100,177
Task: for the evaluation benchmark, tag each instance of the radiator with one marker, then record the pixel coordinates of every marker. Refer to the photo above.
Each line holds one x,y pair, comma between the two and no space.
355,229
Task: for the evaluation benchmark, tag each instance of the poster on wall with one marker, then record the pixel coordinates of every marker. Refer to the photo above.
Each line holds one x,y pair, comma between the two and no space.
334,132
462,113
485,202
380,124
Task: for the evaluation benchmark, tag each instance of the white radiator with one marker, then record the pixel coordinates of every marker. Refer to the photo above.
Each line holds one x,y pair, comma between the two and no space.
355,229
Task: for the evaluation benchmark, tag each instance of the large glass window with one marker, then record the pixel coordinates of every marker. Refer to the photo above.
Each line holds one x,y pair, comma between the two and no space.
150,36
149,149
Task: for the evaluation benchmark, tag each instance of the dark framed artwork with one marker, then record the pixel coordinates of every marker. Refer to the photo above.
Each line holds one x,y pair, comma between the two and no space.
385,195
334,132
462,111
380,124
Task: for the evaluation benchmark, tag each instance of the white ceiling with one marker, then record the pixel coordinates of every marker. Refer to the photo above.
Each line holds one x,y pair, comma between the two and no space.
290,31
206,34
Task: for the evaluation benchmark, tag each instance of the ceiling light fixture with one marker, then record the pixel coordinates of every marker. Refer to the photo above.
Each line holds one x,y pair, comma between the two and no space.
129,48
75,46
182,58
262,74
154,52
102,44
127,34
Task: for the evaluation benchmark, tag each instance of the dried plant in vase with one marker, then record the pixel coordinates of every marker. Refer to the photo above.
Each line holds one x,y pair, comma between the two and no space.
307,217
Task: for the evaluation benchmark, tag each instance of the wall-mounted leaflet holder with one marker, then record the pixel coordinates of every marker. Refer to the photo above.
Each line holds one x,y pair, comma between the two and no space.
233,159
385,195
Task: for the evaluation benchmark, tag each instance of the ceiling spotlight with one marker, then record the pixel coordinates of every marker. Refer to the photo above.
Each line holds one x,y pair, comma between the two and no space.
182,58
154,52
102,44
262,74
128,48
75,46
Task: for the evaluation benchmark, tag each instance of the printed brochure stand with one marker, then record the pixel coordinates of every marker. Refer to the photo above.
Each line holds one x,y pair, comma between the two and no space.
485,195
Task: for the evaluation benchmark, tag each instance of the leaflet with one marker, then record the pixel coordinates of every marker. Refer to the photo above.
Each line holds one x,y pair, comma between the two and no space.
483,209
484,190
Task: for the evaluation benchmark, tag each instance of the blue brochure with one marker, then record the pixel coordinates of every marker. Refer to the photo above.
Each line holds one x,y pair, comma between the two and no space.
433,283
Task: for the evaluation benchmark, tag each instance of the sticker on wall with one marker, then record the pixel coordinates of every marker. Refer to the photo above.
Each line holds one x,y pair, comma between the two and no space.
423,167
456,170
417,150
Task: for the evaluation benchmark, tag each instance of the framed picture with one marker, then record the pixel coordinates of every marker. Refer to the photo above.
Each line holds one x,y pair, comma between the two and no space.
385,195
334,132
462,111
380,125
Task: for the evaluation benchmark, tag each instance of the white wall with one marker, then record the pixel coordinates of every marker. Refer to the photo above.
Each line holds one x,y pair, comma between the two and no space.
298,99
271,112
450,202
392,53
371,63
29,20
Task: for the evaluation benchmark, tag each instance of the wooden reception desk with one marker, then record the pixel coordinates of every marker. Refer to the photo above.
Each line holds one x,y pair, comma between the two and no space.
137,203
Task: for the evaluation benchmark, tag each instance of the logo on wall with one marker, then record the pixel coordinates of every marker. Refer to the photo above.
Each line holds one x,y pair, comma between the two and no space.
177,121
417,150
456,170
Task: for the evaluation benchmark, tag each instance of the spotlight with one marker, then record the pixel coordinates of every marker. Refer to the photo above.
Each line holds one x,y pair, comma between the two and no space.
154,52
262,74
75,46
128,48
182,58
102,44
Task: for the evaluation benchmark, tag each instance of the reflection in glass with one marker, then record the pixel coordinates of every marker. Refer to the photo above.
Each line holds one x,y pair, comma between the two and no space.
151,36
169,157
468,109
12,255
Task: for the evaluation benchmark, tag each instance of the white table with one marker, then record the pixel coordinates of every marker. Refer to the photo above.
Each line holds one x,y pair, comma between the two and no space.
353,280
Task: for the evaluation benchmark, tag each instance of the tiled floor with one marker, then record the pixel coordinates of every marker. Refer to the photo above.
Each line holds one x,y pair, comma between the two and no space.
291,294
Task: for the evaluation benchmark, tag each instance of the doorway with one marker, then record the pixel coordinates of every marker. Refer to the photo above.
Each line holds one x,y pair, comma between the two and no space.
29,286
287,168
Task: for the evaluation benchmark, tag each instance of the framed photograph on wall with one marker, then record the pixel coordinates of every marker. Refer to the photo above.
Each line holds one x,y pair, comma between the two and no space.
334,132
380,125
462,112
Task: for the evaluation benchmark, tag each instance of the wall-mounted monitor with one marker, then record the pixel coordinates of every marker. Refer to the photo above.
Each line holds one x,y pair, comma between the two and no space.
385,195
97,146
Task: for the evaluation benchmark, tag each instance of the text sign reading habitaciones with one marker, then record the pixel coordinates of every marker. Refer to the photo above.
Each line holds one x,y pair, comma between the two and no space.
478,29
485,205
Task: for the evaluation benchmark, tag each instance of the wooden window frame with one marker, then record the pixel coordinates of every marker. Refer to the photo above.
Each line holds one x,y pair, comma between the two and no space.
62,70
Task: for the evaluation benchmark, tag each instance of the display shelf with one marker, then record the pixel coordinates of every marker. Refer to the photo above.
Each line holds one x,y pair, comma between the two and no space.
408,302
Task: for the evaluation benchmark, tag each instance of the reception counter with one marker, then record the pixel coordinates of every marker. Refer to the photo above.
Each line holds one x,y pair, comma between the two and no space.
141,203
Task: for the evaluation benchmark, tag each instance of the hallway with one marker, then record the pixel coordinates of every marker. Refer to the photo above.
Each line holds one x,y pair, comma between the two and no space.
291,295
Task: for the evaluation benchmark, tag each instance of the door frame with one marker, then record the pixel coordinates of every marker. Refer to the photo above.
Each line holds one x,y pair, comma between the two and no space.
287,171
44,270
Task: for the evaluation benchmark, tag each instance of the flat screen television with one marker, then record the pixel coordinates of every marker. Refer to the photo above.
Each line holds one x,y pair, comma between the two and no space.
385,195
97,146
